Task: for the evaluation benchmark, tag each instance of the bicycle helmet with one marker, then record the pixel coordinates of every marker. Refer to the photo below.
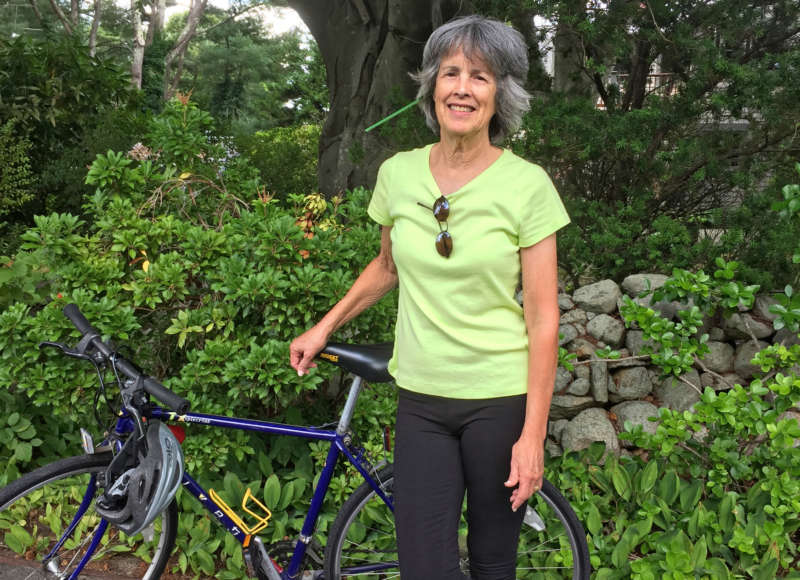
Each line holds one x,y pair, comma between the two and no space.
140,493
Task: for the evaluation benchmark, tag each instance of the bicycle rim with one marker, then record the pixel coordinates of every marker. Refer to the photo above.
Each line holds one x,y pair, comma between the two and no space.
362,543
38,511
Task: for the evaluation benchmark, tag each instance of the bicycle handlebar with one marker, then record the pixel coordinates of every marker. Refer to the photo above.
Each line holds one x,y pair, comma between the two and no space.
151,386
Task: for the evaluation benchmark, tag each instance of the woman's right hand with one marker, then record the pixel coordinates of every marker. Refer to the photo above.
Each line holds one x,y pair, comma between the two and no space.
305,347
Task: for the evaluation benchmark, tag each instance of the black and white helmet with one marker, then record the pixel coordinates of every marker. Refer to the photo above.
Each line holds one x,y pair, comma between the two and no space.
136,497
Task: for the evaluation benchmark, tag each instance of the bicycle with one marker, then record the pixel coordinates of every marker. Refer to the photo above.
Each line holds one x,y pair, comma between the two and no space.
361,541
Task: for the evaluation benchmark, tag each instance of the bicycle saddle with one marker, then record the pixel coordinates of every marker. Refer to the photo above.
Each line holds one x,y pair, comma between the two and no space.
368,361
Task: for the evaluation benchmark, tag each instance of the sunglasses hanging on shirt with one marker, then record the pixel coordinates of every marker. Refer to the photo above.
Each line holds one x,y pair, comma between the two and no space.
441,211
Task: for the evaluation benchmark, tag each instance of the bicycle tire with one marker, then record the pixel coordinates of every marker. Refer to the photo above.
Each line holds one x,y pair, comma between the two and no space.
43,503
362,543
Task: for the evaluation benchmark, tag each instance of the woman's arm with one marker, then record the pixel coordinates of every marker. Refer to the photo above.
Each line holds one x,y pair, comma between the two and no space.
378,278
540,306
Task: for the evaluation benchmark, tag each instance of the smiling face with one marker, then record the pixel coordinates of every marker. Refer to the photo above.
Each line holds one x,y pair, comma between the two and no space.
464,96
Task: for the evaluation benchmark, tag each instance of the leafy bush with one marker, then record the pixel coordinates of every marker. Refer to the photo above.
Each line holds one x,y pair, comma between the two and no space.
204,283
58,96
286,158
713,494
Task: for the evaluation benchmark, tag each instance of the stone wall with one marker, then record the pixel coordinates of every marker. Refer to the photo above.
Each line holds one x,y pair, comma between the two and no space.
593,402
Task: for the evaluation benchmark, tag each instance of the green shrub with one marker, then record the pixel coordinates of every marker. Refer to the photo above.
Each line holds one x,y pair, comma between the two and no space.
204,284
714,493
286,158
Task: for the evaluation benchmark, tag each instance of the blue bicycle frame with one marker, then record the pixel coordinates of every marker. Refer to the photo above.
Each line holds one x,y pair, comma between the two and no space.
339,446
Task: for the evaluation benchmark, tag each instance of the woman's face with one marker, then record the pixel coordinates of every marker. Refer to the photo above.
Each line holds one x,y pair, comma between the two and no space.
464,95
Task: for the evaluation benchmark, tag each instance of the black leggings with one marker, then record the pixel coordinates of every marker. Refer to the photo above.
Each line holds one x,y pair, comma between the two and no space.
443,447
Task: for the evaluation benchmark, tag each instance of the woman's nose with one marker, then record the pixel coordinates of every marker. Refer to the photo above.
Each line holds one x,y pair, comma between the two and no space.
462,86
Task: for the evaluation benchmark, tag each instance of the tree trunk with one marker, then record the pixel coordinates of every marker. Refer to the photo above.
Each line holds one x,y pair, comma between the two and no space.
172,75
569,73
137,59
369,47
98,8
159,9
61,16
74,13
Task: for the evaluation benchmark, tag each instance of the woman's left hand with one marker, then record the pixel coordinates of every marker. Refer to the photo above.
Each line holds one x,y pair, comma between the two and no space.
527,470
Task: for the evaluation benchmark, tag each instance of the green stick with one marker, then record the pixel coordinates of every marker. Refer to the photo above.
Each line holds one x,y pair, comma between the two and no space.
397,112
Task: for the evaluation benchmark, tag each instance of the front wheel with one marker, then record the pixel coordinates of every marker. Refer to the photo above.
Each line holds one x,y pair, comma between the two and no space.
362,541
48,516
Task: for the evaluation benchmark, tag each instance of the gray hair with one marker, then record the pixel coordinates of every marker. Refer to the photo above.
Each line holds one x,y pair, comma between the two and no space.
501,47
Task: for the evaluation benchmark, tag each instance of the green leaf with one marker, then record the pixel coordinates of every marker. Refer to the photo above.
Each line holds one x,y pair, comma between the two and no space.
18,539
717,569
669,487
726,517
272,492
699,553
767,570
594,522
622,481
649,476
690,495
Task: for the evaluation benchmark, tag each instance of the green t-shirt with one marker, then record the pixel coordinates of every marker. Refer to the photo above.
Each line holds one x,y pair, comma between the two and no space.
460,332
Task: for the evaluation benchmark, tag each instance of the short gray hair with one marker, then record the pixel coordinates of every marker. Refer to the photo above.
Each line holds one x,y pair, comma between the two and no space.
501,47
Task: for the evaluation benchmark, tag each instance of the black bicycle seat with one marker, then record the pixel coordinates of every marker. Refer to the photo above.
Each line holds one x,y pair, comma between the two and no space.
368,361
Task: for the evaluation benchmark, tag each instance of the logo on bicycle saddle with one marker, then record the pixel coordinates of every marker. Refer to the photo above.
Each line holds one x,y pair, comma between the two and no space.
330,357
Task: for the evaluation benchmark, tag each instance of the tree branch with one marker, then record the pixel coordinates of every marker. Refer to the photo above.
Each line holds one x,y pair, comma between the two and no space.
38,14
61,16
98,6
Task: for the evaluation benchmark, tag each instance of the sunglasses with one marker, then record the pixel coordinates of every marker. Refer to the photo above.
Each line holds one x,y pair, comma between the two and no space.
441,210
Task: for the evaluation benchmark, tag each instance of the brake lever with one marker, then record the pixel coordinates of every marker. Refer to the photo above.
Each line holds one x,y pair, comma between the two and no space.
67,351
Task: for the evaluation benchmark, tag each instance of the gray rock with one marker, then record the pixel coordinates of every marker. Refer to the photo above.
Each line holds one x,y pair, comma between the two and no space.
761,307
563,379
626,359
630,383
719,358
552,448
707,380
607,329
567,406
587,427
574,315
565,302
581,347
590,315
583,372
744,354
786,336
634,341
744,326
635,284
716,333
581,328
635,413
579,387
665,308
598,297
599,372
730,379
566,333
677,395
555,428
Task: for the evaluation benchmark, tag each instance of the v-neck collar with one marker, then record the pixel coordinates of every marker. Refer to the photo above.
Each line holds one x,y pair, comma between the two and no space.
438,192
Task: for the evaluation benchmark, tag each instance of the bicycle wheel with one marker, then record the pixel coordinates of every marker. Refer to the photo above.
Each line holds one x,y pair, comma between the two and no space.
362,542
40,508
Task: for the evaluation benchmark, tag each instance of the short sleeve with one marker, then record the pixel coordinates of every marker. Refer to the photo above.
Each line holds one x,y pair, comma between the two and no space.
542,212
378,208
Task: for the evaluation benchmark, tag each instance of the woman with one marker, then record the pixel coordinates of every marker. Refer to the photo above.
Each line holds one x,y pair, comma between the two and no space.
462,220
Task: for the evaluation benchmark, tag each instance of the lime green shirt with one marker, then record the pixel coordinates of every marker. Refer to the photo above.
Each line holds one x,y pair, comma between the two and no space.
460,331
